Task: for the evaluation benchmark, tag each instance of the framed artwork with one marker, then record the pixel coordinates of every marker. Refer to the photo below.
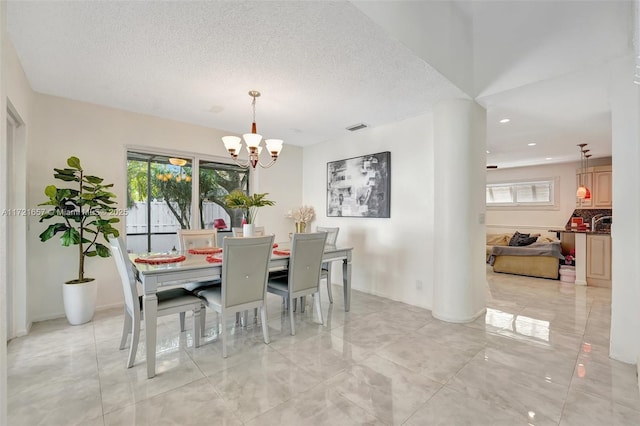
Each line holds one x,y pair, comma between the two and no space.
360,186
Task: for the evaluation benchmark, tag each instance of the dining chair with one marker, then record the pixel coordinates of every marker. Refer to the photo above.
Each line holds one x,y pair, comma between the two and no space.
245,266
197,238
303,276
332,237
258,231
194,239
172,301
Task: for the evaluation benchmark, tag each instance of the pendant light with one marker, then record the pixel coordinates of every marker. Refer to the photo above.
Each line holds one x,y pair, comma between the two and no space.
587,196
583,192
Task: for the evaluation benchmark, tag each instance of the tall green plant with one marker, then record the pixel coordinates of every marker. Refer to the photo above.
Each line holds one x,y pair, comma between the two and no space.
79,213
249,204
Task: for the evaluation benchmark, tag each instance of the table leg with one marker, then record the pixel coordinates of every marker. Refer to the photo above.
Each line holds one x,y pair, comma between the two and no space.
150,308
346,281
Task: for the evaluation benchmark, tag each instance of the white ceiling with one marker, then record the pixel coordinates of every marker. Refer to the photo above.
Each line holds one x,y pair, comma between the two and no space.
325,65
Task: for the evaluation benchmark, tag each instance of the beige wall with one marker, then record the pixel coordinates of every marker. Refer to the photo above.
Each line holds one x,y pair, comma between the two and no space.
534,220
389,255
99,136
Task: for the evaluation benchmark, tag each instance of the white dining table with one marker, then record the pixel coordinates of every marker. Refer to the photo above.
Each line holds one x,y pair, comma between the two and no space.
196,268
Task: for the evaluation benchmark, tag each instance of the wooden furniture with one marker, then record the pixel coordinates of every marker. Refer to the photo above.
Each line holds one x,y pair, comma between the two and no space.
332,237
598,180
599,260
303,275
245,269
172,301
196,268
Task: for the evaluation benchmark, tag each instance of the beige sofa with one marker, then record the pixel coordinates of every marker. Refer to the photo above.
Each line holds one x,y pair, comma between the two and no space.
540,259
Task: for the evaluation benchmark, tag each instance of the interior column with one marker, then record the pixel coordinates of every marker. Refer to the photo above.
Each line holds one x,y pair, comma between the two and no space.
625,230
459,211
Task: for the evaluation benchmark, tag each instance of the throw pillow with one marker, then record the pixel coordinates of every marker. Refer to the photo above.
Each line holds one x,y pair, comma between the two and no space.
526,241
516,237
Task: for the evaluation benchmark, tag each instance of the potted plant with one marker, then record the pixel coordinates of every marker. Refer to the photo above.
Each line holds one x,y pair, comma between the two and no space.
78,213
249,205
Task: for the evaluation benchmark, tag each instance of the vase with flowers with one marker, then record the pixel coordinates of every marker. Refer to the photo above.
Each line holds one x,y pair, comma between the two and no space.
302,216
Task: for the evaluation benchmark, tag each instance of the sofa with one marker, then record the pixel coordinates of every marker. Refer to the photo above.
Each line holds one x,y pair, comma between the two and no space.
539,259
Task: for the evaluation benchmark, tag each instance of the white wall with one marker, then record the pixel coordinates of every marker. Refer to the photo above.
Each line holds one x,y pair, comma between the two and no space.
20,100
625,231
3,222
536,221
389,255
99,137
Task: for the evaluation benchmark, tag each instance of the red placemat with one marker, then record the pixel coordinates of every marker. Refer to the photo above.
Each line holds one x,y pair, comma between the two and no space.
158,259
212,259
282,252
205,250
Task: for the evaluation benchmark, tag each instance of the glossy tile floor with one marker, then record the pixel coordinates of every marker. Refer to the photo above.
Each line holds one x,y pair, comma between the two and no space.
538,357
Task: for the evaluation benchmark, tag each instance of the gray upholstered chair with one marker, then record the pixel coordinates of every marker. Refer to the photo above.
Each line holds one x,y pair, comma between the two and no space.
197,238
332,237
245,266
258,231
194,239
303,276
172,301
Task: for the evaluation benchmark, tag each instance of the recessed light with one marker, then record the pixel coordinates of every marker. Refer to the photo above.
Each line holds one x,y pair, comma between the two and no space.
532,144
488,152
549,158
505,120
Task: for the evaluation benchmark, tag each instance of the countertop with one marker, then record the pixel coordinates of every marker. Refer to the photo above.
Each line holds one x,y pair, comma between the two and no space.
573,231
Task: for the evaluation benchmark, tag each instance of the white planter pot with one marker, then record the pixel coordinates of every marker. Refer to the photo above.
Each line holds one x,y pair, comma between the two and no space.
80,301
248,230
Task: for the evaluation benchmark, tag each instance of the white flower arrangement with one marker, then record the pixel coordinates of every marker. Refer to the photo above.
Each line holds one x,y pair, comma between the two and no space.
302,214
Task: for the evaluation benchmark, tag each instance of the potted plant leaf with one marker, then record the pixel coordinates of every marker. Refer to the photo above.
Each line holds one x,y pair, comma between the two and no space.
79,212
249,205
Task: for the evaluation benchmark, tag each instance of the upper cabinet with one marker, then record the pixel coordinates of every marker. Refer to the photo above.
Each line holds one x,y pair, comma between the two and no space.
598,180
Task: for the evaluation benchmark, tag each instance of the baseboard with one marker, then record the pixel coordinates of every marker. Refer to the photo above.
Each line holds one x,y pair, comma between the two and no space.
465,320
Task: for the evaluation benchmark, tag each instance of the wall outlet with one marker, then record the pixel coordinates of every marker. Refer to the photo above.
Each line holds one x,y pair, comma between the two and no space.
418,285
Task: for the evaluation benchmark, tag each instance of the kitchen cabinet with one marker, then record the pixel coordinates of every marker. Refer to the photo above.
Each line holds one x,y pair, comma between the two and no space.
598,180
599,260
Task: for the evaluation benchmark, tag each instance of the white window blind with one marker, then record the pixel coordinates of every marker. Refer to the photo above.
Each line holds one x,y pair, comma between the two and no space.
534,193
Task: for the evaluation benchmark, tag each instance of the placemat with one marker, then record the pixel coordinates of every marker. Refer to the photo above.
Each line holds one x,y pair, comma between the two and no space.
157,259
205,250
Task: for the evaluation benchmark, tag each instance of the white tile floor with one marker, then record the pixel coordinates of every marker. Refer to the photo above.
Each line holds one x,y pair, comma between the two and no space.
539,356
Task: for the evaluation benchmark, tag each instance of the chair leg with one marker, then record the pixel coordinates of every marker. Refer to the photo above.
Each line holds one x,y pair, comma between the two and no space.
329,283
203,320
316,296
255,315
293,327
135,337
223,332
126,329
182,315
303,303
295,304
265,328
197,326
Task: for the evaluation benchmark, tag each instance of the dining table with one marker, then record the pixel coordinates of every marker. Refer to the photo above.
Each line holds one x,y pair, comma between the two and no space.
195,267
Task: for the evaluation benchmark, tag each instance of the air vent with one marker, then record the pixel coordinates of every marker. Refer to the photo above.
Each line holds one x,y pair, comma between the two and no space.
357,127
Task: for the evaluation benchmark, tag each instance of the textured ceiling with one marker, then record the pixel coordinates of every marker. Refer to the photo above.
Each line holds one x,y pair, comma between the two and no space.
323,66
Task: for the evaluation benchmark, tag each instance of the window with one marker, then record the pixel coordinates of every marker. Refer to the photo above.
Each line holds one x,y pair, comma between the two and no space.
160,198
539,193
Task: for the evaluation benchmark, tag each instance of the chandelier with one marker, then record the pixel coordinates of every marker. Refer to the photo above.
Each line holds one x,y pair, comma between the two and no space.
583,192
233,144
